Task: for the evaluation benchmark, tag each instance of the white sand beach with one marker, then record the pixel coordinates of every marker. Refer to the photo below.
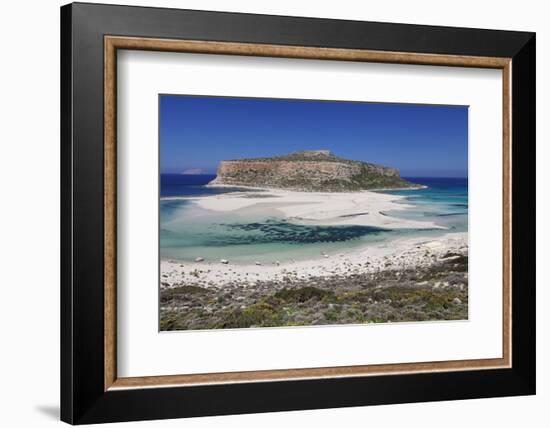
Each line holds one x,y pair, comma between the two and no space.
396,254
364,208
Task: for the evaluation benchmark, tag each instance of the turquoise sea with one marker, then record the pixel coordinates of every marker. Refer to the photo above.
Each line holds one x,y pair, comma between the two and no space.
188,231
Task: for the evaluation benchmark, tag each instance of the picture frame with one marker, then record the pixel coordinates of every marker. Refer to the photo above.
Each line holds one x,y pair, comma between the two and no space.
91,390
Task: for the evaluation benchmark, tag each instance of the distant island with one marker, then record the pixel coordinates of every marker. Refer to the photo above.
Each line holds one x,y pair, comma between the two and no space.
193,171
309,171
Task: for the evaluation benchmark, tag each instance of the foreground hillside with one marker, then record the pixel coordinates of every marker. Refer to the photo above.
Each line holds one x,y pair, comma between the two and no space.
436,291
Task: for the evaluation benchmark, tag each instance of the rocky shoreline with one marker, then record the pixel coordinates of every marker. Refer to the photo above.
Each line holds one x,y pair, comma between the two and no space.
398,282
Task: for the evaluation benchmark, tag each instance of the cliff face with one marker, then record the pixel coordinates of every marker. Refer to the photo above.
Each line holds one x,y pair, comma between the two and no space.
313,171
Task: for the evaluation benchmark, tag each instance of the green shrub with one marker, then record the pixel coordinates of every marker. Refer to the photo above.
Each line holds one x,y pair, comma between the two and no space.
301,295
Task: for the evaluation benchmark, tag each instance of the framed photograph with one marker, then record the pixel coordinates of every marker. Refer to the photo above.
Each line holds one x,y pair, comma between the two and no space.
266,213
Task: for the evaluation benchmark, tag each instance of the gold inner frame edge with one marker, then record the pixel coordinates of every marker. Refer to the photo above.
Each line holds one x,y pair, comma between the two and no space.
113,43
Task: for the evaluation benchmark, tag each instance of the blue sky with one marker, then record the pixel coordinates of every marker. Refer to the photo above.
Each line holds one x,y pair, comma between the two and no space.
419,140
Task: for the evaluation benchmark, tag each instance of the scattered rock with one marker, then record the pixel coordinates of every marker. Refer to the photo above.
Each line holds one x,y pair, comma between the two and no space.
414,289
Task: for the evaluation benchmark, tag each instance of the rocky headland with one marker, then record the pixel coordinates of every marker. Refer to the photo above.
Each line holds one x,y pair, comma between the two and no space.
309,171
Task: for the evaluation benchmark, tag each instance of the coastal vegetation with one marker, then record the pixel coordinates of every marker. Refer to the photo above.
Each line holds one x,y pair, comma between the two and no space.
438,291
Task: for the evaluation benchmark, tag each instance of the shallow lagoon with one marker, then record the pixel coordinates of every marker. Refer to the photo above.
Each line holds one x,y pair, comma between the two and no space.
261,234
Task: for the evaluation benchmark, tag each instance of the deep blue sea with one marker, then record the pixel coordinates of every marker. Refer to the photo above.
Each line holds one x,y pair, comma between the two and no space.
189,185
188,231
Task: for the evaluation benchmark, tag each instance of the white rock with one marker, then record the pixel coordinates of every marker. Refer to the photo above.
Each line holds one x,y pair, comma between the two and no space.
224,261
258,264
199,259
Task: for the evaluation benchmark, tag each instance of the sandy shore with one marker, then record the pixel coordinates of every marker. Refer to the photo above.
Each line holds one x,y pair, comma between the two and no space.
396,254
365,208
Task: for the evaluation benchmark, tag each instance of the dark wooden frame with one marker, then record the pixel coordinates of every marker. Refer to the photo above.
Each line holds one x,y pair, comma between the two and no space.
89,33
